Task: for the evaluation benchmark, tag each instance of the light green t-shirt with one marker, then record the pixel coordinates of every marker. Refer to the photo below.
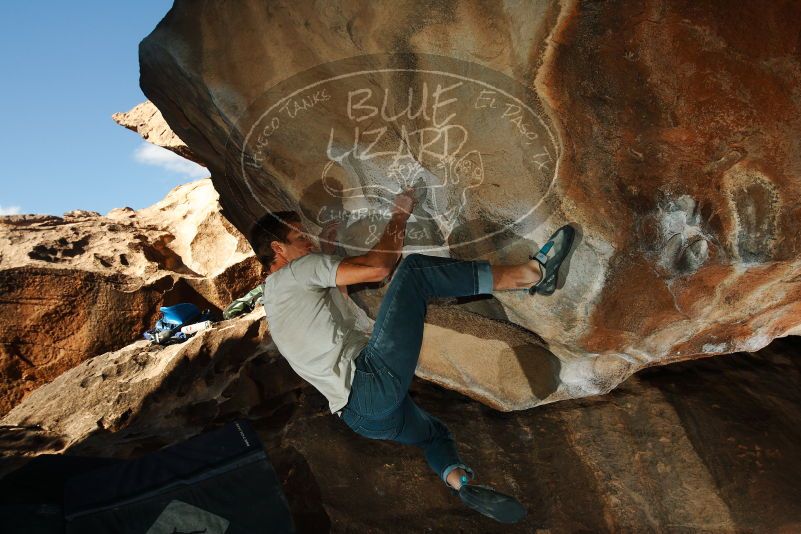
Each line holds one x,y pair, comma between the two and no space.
314,326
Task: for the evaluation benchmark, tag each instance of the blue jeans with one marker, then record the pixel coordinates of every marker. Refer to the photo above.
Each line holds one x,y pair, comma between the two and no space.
379,406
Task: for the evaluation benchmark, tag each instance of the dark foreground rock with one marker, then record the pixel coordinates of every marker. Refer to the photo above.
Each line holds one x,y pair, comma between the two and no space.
711,445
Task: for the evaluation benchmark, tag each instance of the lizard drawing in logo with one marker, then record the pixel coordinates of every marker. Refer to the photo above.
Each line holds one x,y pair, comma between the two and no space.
442,186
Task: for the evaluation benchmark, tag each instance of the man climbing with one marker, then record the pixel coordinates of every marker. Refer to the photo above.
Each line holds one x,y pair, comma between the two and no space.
366,377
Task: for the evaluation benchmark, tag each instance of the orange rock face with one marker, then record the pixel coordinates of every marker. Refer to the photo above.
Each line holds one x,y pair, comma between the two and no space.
666,132
684,118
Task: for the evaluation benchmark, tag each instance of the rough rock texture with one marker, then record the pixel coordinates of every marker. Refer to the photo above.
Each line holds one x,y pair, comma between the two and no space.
146,120
666,132
708,445
79,285
174,390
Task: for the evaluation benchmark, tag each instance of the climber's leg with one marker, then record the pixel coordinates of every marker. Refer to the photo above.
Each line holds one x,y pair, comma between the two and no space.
398,330
423,430
516,276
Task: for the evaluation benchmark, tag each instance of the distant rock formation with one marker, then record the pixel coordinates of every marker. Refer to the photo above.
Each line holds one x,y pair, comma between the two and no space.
82,284
665,131
146,120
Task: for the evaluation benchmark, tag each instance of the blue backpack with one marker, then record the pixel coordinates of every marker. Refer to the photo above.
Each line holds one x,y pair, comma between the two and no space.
167,329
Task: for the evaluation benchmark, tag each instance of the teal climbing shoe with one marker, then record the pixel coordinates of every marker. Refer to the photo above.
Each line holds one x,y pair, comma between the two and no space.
551,256
485,500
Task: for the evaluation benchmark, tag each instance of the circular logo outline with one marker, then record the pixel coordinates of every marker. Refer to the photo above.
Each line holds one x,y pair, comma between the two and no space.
543,123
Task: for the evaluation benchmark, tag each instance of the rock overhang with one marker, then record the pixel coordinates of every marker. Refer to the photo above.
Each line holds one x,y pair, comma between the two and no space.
672,153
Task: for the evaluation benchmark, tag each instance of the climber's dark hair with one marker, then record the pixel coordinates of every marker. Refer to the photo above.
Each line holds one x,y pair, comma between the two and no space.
271,227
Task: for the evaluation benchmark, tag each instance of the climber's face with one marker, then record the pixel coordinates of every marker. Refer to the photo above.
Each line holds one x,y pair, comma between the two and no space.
298,244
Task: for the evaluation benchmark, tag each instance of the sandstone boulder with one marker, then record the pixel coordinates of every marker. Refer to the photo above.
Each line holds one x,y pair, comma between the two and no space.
82,284
665,132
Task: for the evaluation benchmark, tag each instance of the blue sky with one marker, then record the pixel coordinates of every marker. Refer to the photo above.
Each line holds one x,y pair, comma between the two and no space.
66,68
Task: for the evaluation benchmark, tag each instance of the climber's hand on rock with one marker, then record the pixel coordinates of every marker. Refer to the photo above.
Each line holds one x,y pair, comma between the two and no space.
405,201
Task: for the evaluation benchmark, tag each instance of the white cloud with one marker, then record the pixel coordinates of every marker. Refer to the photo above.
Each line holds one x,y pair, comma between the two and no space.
150,154
9,210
